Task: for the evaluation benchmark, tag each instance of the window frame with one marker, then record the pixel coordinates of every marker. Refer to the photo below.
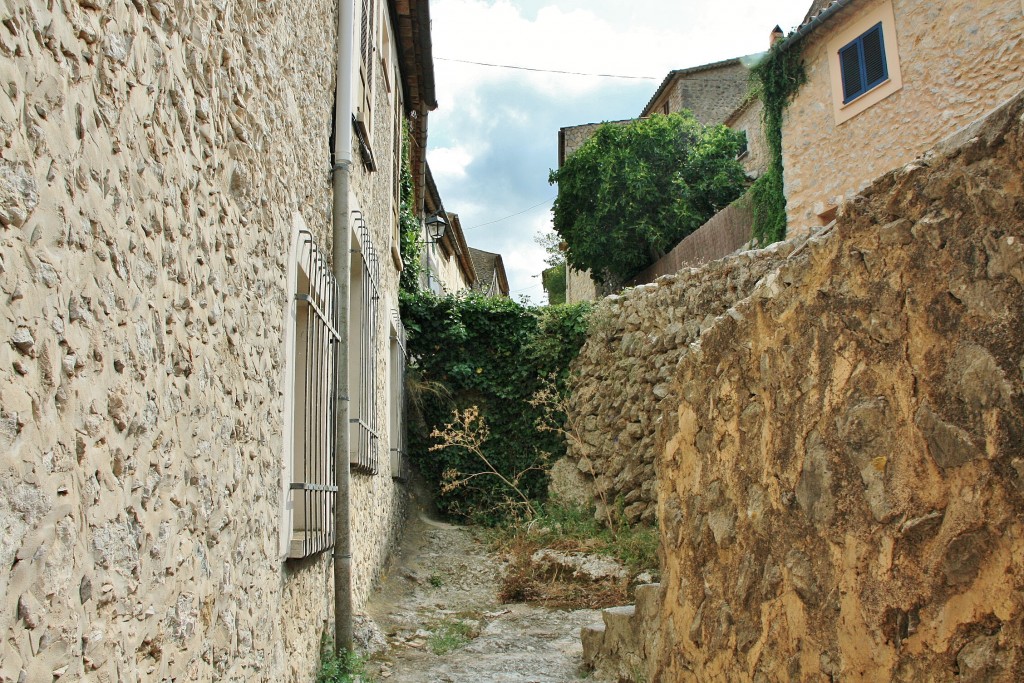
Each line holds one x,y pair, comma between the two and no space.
850,31
309,493
860,44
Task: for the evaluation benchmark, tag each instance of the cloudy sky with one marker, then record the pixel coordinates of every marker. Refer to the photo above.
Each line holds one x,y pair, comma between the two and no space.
494,136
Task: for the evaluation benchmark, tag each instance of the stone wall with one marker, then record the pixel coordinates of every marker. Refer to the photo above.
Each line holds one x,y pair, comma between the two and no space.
153,158
748,118
711,94
958,61
841,471
623,371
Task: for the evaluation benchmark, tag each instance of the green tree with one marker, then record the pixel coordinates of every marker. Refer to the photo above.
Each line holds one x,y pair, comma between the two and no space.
631,192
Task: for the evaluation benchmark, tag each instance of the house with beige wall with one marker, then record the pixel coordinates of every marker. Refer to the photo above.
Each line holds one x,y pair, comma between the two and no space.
886,81
183,212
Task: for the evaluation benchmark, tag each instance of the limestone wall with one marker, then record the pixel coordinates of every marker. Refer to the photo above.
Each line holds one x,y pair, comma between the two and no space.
153,157
623,371
841,472
958,61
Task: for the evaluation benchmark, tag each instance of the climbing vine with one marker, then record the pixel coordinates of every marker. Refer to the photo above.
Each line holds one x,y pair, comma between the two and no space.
408,223
776,80
490,356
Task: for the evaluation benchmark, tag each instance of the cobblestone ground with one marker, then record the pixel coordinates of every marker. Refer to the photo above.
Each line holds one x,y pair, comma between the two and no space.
441,591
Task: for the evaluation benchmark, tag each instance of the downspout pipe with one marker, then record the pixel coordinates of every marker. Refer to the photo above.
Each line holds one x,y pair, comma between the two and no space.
341,259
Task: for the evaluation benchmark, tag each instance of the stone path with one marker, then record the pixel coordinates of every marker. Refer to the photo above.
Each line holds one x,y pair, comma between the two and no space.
445,579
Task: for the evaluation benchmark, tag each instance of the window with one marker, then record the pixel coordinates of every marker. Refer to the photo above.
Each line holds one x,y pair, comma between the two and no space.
364,355
862,63
311,384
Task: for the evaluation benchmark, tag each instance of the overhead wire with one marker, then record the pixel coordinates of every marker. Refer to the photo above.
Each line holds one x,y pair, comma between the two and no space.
518,213
547,71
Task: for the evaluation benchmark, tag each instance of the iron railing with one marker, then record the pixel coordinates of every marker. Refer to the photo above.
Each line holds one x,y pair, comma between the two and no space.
365,421
317,325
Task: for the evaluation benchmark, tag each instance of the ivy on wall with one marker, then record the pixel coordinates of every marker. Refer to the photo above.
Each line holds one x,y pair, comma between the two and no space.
408,222
493,353
776,80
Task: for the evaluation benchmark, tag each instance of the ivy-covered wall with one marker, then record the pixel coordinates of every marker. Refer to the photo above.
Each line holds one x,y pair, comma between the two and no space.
495,354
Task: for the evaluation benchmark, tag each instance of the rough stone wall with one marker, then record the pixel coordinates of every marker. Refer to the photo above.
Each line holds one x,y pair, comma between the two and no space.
711,95
579,286
959,60
841,480
152,157
623,372
748,119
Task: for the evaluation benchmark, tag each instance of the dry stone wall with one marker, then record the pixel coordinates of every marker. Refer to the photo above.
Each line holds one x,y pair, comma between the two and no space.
623,373
841,471
153,159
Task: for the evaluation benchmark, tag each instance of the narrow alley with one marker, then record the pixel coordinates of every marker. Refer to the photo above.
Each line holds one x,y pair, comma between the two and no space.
440,618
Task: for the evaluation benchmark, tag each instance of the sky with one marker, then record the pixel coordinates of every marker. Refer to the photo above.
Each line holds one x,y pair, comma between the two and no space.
494,137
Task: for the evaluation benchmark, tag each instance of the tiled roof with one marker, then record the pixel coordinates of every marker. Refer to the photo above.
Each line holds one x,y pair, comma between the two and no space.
816,8
490,273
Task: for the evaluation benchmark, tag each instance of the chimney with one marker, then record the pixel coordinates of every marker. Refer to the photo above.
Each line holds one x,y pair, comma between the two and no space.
776,36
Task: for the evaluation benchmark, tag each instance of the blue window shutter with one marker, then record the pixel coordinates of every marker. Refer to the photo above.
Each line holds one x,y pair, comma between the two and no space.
862,62
874,57
850,61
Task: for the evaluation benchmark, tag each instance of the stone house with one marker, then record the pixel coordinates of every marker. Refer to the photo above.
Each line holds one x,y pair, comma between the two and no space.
187,287
886,80
711,91
491,279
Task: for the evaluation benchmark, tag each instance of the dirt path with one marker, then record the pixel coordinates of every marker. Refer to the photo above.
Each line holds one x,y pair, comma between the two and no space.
442,592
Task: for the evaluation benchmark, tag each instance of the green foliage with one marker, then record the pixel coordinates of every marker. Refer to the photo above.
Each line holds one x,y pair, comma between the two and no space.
631,192
575,528
448,635
776,80
493,353
348,667
408,223
554,282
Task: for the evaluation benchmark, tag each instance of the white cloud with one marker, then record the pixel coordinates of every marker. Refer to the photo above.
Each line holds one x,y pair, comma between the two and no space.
494,135
449,163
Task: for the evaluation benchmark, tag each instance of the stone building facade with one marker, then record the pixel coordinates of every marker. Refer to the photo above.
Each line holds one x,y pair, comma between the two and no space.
947,65
157,165
711,91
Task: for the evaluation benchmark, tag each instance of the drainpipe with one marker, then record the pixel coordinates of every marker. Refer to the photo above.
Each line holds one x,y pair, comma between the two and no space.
341,258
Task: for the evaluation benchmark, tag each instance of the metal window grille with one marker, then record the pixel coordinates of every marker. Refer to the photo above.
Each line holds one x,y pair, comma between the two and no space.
398,360
317,321
366,439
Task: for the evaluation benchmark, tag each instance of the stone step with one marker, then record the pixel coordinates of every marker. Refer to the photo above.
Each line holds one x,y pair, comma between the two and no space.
648,602
592,638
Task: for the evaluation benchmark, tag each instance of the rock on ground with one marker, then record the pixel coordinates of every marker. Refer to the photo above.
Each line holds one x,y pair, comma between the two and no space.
444,573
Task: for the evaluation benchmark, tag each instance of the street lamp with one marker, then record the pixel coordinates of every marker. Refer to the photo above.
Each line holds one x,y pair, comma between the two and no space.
436,225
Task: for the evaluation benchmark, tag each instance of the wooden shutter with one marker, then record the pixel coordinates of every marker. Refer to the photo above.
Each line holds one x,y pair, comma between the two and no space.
874,57
849,62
